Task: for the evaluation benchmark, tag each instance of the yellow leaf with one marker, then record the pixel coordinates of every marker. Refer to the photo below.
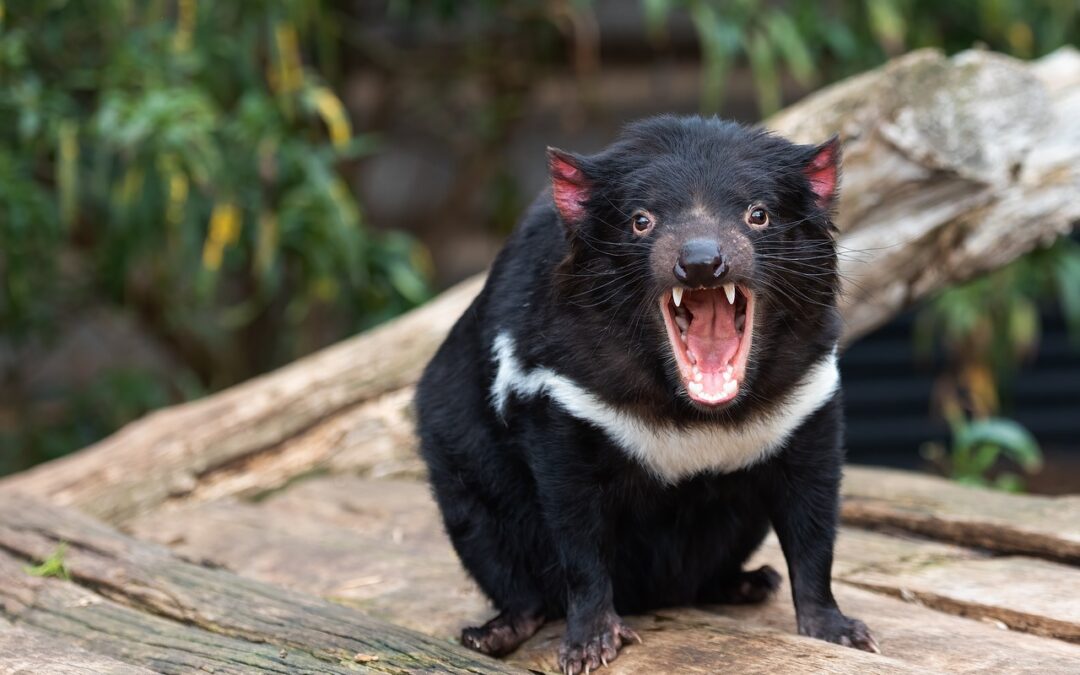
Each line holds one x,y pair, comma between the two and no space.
224,231
333,114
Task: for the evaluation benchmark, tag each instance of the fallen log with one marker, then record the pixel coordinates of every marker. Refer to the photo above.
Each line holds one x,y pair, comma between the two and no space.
953,166
379,546
1045,527
139,604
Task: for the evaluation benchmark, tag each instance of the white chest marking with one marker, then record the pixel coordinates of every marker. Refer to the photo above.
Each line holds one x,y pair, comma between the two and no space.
668,452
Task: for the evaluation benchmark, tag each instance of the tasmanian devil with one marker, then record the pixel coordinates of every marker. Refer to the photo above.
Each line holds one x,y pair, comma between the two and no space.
648,381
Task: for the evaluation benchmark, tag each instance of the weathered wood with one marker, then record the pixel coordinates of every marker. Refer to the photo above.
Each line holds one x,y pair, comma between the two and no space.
1036,596
376,545
183,608
379,545
697,641
30,652
73,615
953,166
941,509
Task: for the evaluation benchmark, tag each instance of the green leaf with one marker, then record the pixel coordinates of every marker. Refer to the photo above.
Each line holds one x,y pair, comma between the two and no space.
1013,440
766,77
787,39
53,566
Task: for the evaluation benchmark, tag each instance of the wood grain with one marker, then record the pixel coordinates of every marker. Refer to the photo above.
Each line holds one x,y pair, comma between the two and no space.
134,600
379,546
1048,527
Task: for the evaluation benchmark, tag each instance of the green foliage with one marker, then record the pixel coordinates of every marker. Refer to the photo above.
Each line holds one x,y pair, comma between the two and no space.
193,151
185,161
52,566
977,446
806,39
987,328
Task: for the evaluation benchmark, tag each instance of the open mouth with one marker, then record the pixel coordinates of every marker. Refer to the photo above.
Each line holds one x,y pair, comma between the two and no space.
710,330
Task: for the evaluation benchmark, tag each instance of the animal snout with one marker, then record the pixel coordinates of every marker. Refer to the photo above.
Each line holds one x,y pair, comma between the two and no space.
700,263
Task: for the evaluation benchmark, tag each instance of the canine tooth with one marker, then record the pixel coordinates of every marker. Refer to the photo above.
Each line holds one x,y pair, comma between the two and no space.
676,295
729,290
682,322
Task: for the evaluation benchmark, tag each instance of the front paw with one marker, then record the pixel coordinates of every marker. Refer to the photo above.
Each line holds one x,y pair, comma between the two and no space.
596,649
835,627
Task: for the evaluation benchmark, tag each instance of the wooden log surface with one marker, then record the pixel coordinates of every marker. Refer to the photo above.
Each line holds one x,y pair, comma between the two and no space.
1047,527
30,652
379,546
140,604
954,166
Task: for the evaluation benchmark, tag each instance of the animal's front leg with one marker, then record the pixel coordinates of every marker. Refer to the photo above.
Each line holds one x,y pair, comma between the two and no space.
574,513
804,500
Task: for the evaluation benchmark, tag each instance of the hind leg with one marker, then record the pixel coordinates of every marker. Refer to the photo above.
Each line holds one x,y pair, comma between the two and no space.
501,550
503,634
741,587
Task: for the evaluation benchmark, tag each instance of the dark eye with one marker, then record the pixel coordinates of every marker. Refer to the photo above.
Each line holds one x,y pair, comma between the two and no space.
757,216
643,223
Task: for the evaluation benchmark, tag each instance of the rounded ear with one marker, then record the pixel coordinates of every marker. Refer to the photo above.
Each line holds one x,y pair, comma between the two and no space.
570,187
823,171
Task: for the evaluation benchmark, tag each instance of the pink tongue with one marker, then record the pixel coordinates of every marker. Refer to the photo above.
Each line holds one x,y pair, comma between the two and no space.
711,336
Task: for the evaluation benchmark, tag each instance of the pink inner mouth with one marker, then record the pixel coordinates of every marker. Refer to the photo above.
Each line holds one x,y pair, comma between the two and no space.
710,337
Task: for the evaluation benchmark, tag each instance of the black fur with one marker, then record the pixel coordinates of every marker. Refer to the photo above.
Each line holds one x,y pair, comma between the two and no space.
549,515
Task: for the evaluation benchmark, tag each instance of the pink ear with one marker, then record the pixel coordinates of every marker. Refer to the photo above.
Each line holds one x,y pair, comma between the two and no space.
569,186
823,171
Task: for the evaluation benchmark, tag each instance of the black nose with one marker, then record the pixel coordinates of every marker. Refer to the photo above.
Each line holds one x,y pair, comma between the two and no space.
700,263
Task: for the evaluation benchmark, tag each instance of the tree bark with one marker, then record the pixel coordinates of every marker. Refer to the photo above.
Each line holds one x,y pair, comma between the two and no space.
138,603
953,167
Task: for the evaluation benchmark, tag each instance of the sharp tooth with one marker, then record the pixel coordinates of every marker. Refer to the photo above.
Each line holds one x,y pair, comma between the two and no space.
682,322
676,295
729,290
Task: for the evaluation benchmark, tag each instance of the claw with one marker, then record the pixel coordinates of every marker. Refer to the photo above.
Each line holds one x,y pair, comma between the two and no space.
873,644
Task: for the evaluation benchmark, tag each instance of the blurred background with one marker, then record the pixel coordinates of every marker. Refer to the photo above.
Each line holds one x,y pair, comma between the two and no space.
193,193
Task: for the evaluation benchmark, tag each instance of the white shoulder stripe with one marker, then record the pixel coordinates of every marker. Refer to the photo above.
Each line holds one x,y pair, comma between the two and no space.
668,452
